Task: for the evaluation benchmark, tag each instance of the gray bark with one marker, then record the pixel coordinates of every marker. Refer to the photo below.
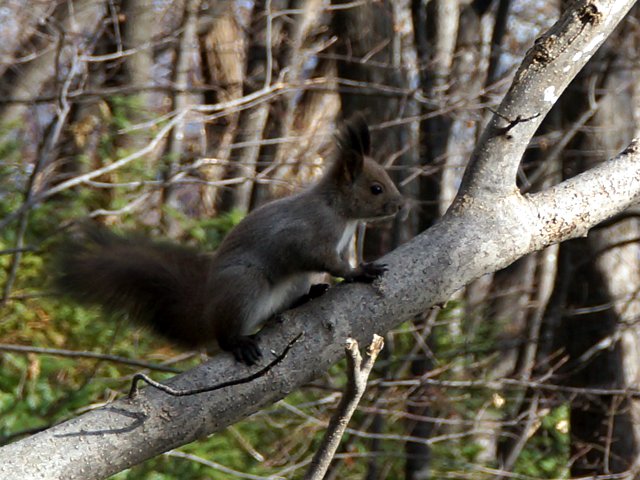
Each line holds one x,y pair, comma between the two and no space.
185,52
603,346
489,226
223,50
436,31
139,31
253,122
555,59
18,25
466,83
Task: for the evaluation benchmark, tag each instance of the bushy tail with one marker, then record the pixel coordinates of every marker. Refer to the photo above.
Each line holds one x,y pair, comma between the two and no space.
160,284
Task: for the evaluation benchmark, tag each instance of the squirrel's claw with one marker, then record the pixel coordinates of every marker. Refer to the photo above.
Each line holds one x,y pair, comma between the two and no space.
368,272
245,349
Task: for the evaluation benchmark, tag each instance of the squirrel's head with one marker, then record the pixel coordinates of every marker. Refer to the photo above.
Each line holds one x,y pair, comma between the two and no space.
365,189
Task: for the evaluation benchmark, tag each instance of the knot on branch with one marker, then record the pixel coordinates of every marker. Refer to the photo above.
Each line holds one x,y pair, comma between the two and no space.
542,49
589,15
634,146
511,122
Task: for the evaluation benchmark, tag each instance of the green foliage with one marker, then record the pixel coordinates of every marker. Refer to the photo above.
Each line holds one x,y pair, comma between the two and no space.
12,172
10,143
123,109
207,232
465,351
38,390
547,450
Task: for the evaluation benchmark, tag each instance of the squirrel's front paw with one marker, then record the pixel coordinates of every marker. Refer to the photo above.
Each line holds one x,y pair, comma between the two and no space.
317,290
368,272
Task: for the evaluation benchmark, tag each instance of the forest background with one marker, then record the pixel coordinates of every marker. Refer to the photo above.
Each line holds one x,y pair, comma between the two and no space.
175,118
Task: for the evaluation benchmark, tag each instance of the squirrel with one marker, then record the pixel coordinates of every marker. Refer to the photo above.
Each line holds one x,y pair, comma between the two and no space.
262,267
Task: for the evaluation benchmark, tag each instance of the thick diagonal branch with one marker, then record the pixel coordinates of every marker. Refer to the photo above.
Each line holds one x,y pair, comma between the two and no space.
548,68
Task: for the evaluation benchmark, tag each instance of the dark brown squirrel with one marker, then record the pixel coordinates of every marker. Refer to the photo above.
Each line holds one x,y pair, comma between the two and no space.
263,266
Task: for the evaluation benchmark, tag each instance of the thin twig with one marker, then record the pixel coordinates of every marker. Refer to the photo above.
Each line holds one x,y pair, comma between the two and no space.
268,40
94,355
514,383
63,108
357,375
176,117
11,251
511,123
133,391
217,466
94,173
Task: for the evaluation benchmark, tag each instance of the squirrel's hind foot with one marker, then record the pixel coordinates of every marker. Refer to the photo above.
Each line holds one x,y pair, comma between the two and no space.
245,349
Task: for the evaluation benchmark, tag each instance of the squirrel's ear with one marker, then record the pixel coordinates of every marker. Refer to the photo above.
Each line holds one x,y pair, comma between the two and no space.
354,136
359,134
354,143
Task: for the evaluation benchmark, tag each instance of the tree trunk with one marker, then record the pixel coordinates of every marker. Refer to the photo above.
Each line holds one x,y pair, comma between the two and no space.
80,20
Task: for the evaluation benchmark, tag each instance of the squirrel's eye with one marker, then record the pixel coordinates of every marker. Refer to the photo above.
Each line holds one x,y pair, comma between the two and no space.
376,189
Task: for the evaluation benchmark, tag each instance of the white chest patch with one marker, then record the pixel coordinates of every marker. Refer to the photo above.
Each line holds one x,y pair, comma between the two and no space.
346,237
275,300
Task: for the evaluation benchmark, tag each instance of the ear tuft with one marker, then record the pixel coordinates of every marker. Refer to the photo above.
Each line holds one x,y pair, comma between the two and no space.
354,136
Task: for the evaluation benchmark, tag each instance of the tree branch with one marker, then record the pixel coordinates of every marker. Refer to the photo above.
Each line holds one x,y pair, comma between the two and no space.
357,375
570,209
138,377
546,71
93,355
